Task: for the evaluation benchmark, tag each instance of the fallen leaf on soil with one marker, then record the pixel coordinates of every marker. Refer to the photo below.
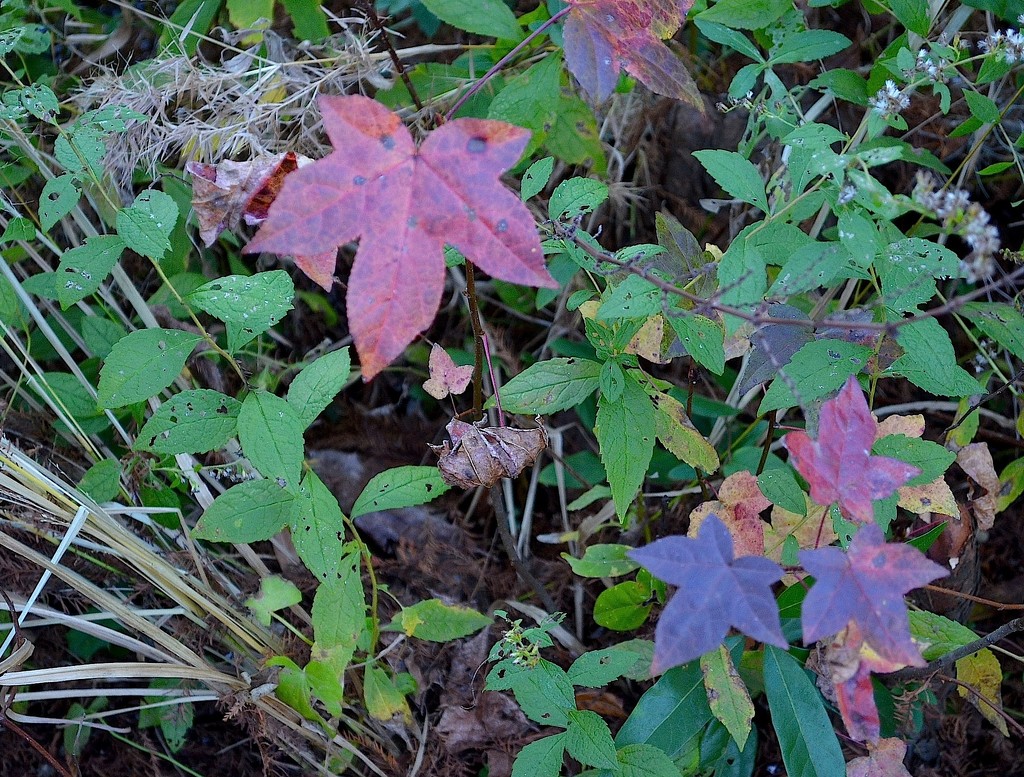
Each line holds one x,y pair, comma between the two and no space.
404,203
866,584
976,460
481,456
739,504
603,37
445,377
839,466
885,759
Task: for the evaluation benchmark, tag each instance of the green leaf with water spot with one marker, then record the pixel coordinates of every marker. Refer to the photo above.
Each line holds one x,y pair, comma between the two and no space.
819,368
194,421
249,305
271,437
143,364
83,269
146,224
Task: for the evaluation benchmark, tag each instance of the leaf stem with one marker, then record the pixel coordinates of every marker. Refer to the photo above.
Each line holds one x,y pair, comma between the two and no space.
500,64
478,342
371,14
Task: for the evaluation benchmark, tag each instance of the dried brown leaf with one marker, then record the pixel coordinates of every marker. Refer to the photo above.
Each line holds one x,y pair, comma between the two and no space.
481,456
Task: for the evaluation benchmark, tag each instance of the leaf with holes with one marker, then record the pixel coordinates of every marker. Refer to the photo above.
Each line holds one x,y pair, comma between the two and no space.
603,37
143,364
193,421
405,203
839,466
866,584
84,268
716,591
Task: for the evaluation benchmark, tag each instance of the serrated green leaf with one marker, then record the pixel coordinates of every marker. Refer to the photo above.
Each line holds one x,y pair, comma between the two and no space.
808,742
58,198
490,18
1002,322
915,15
543,691
633,298
83,269
383,699
575,197
193,421
550,386
536,177
275,594
542,758
271,437
622,607
588,740
315,387
727,695
434,621
671,714
812,266
817,369
703,339
907,269
612,381
248,304
101,334
781,488
929,457
399,487
646,761
982,107
339,608
102,481
249,512
929,361
722,34
937,634
745,14
625,431
80,151
317,528
146,224
736,175
18,228
808,45
174,721
143,364
597,668
604,560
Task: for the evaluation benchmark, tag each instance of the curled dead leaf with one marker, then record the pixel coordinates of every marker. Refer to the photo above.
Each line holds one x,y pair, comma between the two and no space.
481,456
976,460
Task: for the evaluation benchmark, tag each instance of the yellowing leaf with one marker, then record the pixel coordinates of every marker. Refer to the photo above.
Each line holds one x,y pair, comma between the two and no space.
934,497
680,436
647,342
982,672
727,695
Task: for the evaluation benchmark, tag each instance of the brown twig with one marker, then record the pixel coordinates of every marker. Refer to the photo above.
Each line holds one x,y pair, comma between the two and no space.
501,521
945,662
979,695
978,599
371,14
478,342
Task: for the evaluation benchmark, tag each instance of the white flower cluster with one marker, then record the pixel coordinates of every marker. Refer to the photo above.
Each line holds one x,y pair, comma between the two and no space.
965,218
931,65
890,100
1008,44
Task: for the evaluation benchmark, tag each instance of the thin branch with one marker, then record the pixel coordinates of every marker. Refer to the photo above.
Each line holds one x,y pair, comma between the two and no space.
945,662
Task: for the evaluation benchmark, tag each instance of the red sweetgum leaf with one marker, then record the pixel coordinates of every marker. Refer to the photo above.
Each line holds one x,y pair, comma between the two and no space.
445,377
716,591
885,759
866,584
603,37
839,466
404,204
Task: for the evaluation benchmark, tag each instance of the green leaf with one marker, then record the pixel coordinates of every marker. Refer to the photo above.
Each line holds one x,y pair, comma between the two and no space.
605,560
982,107
907,268
102,481
174,721
536,177
808,45
101,335
1011,480
194,421
814,265
399,487
727,695
915,15
937,634
543,691
781,488
633,298
929,457
18,228
597,668
249,512
243,14
1002,322
680,437
434,621
721,34
339,609
625,431
575,197
646,761
929,361
271,437
143,364
703,339
996,167
59,197
530,99
248,304
622,607
146,224
588,740
746,14
317,532
817,369
275,594
315,387
612,381
736,174
550,386
809,745
671,714
383,699
308,19
542,758
84,268
490,18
